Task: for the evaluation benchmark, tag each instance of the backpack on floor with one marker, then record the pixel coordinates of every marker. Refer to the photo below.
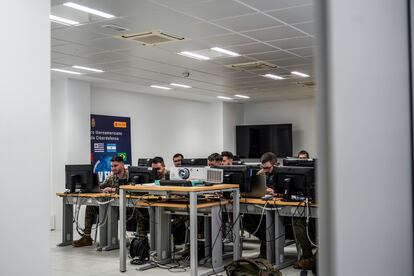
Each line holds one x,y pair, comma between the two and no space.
251,267
139,250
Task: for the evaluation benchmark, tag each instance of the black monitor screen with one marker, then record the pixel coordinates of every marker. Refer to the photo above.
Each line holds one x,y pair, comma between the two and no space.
237,174
145,162
141,175
295,162
81,178
254,140
295,182
194,162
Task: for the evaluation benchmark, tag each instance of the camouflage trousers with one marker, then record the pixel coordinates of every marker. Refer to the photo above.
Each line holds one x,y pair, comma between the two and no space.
299,227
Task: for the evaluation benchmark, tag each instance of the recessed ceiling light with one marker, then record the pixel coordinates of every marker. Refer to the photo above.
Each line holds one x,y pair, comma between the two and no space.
62,20
224,98
192,55
161,87
87,69
224,51
271,76
180,85
66,71
300,74
88,10
242,96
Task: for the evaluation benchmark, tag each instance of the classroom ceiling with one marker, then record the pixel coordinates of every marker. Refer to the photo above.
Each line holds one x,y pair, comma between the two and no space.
277,32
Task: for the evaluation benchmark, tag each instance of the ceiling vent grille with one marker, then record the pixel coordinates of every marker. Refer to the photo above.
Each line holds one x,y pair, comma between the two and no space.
309,84
115,28
153,37
251,66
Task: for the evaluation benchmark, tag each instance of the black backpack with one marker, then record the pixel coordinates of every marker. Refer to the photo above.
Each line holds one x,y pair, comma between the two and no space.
251,267
139,251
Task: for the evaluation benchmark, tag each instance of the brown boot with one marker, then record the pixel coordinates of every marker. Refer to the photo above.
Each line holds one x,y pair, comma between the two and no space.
305,263
83,241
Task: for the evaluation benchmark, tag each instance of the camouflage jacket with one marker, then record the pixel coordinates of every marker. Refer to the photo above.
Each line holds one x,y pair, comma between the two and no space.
113,181
165,176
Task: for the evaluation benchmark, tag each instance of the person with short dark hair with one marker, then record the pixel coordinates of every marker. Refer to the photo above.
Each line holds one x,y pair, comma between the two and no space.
303,154
110,185
178,159
227,158
159,165
214,159
250,222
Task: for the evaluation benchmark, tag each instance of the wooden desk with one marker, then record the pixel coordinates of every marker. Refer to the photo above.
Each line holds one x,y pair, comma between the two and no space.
163,239
179,205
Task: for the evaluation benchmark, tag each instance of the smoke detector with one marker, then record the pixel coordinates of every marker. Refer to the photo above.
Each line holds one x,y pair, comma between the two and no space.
251,66
153,37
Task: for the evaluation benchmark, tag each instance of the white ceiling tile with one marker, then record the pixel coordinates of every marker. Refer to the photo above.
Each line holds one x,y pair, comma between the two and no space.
226,40
233,60
216,9
186,45
199,30
289,62
181,3
111,44
76,50
56,55
308,27
57,42
91,60
265,5
75,35
251,48
294,14
248,22
274,33
272,55
304,52
96,27
296,42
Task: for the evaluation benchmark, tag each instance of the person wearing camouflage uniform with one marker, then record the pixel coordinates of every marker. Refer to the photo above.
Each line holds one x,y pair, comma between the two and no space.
143,219
110,185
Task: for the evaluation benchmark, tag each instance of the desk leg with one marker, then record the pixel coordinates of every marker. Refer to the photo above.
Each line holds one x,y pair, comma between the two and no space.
102,226
236,226
122,243
112,226
152,227
67,224
193,235
207,236
280,240
163,235
270,236
217,237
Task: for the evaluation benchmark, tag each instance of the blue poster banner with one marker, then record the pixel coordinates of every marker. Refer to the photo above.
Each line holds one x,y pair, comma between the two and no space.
110,136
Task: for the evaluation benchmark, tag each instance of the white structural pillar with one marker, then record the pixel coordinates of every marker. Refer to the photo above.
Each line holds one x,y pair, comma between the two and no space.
25,137
71,105
364,132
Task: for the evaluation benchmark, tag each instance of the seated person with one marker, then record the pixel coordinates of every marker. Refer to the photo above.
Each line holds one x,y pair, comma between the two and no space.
110,185
307,260
214,159
227,158
251,221
178,159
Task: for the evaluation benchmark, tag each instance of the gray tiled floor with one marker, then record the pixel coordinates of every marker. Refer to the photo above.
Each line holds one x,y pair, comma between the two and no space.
86,261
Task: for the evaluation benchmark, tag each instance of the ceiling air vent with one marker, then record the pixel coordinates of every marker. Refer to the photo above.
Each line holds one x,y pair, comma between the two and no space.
250,66
153,37
115,27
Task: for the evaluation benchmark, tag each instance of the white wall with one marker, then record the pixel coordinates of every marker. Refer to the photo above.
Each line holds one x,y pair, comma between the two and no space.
25,137
232,116
300,113
164,126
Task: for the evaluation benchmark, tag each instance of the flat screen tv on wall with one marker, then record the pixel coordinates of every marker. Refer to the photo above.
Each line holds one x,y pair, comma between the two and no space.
254,140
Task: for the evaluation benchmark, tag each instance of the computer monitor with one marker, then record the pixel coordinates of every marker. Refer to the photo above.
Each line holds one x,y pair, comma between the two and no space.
145,162
187,162
295,183
296,162
141,175
236,174
81,178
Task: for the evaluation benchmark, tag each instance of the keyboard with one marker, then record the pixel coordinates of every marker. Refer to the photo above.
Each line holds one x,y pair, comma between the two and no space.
180,183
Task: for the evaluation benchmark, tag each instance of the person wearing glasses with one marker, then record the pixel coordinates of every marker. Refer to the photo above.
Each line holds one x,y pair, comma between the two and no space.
178,159
251,222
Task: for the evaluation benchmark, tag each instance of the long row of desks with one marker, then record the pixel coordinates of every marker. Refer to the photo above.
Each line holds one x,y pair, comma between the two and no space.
159,227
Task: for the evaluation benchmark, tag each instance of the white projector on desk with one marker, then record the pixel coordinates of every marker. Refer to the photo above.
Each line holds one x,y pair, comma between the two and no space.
206,174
